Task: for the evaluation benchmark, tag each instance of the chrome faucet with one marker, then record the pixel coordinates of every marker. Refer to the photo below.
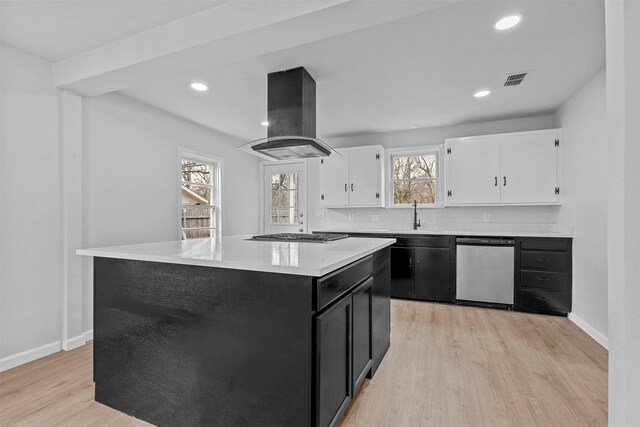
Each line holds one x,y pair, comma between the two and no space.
416,221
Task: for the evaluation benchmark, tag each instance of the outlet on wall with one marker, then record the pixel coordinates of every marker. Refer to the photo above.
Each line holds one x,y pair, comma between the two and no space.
352,217
486,217
375,218
321,213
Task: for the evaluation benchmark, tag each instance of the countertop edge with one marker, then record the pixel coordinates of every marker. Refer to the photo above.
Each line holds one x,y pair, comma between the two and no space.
236,265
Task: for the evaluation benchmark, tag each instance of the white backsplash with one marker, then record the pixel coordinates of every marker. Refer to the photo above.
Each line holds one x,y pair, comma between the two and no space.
503,218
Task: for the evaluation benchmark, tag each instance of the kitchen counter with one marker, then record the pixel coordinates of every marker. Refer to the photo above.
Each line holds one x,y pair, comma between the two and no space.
237,252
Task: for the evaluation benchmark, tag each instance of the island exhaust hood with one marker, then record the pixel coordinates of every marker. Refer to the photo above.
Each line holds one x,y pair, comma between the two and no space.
291,112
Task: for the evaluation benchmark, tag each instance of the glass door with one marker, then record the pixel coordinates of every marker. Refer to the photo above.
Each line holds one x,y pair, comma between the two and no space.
284,198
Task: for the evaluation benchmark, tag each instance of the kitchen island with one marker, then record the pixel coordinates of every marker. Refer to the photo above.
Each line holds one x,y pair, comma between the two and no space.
238,332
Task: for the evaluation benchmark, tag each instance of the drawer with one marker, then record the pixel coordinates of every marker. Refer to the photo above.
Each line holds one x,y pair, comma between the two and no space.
545,280
545,244
539,301
333,285
554,261
423,241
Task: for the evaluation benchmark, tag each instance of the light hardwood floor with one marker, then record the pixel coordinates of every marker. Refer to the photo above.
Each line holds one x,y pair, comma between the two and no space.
447,366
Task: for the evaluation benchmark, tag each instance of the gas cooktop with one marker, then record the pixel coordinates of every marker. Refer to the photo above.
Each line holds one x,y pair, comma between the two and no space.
299,237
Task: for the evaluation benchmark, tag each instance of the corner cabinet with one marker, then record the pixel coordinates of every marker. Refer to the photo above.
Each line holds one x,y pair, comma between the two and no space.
355,178
521,168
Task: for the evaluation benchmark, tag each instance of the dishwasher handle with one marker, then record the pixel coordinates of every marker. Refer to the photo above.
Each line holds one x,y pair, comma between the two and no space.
485,241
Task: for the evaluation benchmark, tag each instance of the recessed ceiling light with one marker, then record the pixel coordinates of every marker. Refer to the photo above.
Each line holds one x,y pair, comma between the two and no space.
508,22
264,123
481,93
200,87
414,126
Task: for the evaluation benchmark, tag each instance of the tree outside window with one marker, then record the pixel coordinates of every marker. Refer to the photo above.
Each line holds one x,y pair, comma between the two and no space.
415,179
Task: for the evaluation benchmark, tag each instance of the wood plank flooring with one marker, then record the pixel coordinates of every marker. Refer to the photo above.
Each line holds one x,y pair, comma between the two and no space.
447,366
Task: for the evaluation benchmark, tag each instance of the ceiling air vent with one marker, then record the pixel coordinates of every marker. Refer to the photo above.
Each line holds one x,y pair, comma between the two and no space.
515,79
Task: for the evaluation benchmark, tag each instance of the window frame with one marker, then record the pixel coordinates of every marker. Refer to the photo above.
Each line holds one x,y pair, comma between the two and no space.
416,151
216,176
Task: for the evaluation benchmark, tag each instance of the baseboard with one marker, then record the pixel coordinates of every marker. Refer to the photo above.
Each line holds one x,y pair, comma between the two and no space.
590,330
88,335
29,355
75,342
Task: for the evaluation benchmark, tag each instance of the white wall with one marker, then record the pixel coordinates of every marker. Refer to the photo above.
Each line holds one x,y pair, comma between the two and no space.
447,217
623,134
129,193
583,122
30,244
131,176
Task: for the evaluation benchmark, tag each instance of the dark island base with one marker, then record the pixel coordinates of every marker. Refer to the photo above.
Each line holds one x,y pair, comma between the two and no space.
179,345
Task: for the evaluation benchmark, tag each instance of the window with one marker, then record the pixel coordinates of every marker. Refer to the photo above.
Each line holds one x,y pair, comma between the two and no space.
414,178
199,190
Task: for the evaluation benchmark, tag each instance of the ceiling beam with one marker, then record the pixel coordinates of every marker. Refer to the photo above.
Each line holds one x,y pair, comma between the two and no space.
231,32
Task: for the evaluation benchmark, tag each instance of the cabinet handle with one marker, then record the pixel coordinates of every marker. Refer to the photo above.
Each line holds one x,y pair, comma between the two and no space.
495,181
541,298
543,278
345,186
542,259
504,181
352,186
410,262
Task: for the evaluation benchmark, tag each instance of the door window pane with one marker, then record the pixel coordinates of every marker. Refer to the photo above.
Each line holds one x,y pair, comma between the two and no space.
285,201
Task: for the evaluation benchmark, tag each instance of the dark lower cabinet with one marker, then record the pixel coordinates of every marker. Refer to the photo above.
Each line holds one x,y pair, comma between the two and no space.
343,352
186,345
543,275
402,272
433,280
362,355
333,362
425,270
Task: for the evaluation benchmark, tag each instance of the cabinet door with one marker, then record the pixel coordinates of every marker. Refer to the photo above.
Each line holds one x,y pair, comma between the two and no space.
362,298
529,168
364,176
432,274
402,273
334,180
473,171
333,362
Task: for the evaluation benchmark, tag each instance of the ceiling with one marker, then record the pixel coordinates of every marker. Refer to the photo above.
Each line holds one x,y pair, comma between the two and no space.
58,29
418,69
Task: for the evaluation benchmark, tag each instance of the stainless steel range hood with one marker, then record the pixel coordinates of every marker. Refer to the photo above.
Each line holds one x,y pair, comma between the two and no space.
291,112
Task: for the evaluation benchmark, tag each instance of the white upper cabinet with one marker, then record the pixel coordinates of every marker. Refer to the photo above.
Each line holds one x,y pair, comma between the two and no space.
353,180
529,166
510,169
474,164
334,180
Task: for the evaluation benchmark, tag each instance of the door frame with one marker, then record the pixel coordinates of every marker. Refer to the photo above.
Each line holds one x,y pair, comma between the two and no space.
305,186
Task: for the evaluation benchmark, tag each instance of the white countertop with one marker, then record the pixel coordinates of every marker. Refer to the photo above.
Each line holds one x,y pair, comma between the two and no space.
236,252
488,233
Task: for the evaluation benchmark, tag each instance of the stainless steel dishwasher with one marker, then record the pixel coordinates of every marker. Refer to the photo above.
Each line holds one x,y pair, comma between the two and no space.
484,269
